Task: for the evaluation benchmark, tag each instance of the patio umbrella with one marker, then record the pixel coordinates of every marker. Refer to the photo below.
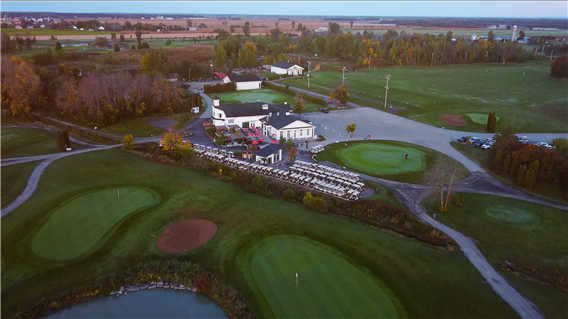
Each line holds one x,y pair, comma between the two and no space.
274,142
245,130
250,134
258,134
255,142
262,140
273,134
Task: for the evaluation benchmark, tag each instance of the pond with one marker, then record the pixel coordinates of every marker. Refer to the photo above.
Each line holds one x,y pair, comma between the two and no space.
155,303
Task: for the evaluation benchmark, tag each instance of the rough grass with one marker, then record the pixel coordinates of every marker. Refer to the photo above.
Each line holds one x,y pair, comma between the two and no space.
349,292
78,224
386,159
24,141
416,274
533,102
265,95
14,180
484,159
509,229
135,126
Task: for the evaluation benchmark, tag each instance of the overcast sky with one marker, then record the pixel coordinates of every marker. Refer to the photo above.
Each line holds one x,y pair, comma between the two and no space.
506,9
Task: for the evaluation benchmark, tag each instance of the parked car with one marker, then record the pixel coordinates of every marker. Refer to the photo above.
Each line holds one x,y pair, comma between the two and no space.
488,144
544,144
478,143
523,139
463,139
472,140
327,101
187,133
324,110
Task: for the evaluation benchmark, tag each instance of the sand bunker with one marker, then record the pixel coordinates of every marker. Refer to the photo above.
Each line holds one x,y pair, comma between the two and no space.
186,235
453,120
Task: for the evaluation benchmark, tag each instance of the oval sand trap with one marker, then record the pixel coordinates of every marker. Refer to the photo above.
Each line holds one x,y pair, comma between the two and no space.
186,235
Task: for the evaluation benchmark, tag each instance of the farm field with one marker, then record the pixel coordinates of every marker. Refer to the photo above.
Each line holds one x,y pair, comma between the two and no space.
466,32
403,269
517,231
484,159
49,32
426,93
14,180
386,159
25,141
265,95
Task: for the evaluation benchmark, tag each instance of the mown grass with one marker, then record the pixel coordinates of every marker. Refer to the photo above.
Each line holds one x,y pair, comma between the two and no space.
513,230
386,159
136,126
14,180
521,94
265,95
416,274
484,159
25,141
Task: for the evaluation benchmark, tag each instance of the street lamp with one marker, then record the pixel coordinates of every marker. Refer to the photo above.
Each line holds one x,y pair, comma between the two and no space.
211,65
309,64
387,89
343,69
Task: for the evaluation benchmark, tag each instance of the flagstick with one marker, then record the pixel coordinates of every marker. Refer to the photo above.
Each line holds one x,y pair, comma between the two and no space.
296,279
118,190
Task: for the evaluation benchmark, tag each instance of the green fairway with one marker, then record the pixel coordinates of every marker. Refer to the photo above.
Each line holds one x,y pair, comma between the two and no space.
14,180
480,118
265,95
24,141
521,94
386,159
80,223
348,291
415,274
135,126
513,230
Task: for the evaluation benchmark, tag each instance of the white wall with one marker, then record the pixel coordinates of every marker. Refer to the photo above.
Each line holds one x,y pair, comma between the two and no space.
297,130
221,119
277,70
248,85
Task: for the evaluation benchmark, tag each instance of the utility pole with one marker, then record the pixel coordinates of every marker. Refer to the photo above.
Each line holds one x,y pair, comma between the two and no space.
309,64
387,89
551,54
343,80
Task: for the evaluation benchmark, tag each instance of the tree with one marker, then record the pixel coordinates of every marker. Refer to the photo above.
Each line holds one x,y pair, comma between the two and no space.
282,140
334,27
350,128
490,37
289,143
138,36
20,86
521,173
122,37
220,57
307,199
232,28
521,35
189,23
58,46
530,178
506,141
257,182
116,47
514,165
66,141
155,62
561,145
340,93
246,29
300,106
128,142
275,34
497,160
101,42
299,26
491,122
559,67
443,172
170,140
292,154
507,164
60,142
351,24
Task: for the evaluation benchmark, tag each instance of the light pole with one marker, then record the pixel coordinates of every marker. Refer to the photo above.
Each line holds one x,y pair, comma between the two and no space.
309,64
343,69
211,65
387,89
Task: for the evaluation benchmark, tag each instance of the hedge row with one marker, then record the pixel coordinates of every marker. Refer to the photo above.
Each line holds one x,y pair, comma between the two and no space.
78,131
169,270
292,92
219,88
554,278
370,212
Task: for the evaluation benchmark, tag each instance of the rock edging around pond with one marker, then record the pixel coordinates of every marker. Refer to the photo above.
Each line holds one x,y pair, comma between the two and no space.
124,290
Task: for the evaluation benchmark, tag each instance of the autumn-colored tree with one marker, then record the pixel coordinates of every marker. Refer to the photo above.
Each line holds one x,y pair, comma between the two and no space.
171,139
246,29
128,142
444,171
497,160
220,57
521,173
350,128
251,46
559,67
20,86
340,93
155,62
507,164
138,36
299,106
514,165
292,154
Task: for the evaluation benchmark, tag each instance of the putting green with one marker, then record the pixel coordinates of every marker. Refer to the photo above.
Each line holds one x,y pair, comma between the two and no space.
480,118
80,223
382,159
513,215
328,285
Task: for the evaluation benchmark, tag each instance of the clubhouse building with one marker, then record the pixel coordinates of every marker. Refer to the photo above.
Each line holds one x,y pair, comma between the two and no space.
286,68
275,120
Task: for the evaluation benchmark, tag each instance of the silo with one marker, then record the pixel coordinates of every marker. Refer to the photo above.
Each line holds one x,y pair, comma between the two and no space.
474,37
514,35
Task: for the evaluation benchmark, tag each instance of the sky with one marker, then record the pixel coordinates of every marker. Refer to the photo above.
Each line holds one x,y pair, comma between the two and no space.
504,9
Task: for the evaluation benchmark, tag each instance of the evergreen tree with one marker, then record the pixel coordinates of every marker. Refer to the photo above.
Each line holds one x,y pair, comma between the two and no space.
535,166
497,160
66,140
521,175
514,165
60,142
507,164
529,179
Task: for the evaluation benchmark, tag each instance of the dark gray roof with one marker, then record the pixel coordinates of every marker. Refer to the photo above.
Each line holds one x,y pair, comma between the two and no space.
283,65
269,150
244,78
281,120
252,109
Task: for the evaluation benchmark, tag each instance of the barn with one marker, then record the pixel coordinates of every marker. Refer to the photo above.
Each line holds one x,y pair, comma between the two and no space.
244,82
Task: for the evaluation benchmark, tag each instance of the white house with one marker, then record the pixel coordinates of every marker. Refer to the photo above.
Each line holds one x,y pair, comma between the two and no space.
322,29
101,28
286,68
244,82
269,154
275,120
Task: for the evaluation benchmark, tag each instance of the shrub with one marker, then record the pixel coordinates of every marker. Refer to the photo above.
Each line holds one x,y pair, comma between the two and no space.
128,143
459,201
320,138
289,194
228,87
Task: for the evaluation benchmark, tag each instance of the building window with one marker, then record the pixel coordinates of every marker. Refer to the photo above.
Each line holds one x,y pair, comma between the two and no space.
220,115
301,133
288,134
308,132
295,133
231,121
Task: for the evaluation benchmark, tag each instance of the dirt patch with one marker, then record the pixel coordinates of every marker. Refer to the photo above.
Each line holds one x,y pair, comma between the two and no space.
453,120
186,235
161,122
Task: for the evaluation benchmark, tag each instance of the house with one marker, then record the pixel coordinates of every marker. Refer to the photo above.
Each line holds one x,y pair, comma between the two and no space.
269,154
18,27
30,27
275,120
244,82
42,26
286,68
101,28
322,29
220,75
